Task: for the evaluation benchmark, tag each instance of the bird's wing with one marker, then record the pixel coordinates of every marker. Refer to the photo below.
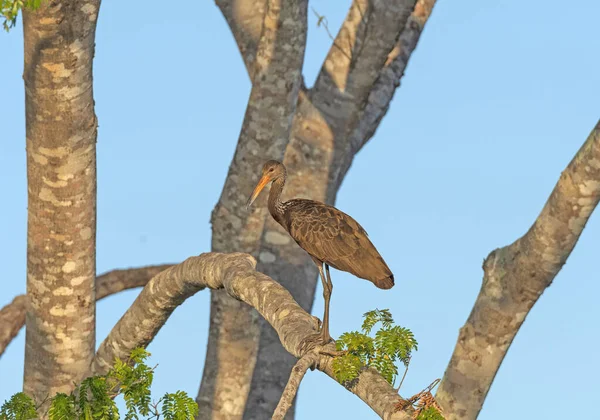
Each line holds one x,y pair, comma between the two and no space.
326,233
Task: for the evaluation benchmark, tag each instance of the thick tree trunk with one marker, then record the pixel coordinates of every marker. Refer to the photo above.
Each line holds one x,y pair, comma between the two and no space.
356,85
61,170
233,337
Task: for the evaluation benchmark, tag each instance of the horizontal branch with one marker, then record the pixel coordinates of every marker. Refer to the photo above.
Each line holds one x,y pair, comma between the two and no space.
236,274
514,278
12,316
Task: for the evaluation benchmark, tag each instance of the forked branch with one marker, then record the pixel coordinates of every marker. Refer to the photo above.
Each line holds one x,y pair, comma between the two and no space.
291,389
236,274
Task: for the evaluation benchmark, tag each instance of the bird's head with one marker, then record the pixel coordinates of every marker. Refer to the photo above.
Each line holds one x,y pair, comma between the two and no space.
271,171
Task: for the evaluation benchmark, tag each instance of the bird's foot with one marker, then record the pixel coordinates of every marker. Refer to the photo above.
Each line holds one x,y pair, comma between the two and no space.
315,340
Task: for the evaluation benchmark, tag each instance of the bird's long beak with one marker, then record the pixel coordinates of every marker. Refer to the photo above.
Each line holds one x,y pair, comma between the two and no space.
264,180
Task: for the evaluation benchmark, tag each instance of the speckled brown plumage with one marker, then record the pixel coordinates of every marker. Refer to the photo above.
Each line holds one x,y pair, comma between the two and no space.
330,237
336,239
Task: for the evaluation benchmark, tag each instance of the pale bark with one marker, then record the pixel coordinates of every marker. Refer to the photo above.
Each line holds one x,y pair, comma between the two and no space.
291,389
318,156
234,273
514,278
61,130
12,319
12,316
277,67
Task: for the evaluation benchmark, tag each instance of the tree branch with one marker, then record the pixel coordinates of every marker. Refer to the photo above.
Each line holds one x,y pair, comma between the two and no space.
359,51
315,156
245,19
382,93
291,389
514,278
235,274
12,316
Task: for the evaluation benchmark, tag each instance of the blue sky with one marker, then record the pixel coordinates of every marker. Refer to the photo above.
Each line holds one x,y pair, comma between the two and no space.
494,104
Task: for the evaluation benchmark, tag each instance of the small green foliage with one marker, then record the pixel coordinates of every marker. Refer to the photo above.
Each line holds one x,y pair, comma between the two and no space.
18,407
135,379
391,343
95,400
178,406
10,10
347,367
373,317
95,397
63,407
430,413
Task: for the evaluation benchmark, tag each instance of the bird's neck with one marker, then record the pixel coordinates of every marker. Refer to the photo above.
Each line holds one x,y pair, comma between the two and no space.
275,205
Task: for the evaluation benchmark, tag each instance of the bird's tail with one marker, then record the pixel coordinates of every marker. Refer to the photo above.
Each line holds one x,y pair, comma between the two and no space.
385,283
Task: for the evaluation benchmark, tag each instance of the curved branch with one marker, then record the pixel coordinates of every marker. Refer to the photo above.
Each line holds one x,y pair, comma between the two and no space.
291,389
235,274
12,316
514,278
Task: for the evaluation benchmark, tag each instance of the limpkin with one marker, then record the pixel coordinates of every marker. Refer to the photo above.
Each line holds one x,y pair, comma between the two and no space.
331,237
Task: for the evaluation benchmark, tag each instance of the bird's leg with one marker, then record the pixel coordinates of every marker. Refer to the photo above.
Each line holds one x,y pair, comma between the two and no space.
323,336
327,288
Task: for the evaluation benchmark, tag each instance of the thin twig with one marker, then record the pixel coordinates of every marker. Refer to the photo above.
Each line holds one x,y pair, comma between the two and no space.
298,372
403,376
322,20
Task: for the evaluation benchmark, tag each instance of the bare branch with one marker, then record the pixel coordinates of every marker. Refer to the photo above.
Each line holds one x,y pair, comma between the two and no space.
12,319
291,389
359,52
12,316
235,274
245,19
382,93
514,278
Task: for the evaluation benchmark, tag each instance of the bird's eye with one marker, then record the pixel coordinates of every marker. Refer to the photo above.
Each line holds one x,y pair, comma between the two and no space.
271,170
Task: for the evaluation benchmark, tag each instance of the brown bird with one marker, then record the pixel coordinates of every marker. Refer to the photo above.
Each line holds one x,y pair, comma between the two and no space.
330,237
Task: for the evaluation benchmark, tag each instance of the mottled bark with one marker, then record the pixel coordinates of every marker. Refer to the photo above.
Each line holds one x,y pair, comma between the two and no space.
318,156
317,159
12,316
291,389
12,319
514,278
378,102
277,67
234,273
61,132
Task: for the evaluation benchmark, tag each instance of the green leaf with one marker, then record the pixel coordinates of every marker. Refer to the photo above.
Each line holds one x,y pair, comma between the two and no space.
396,342
347,367
9,9
19,407
386,367
178,406
63,407
373,317
391,343
359,344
